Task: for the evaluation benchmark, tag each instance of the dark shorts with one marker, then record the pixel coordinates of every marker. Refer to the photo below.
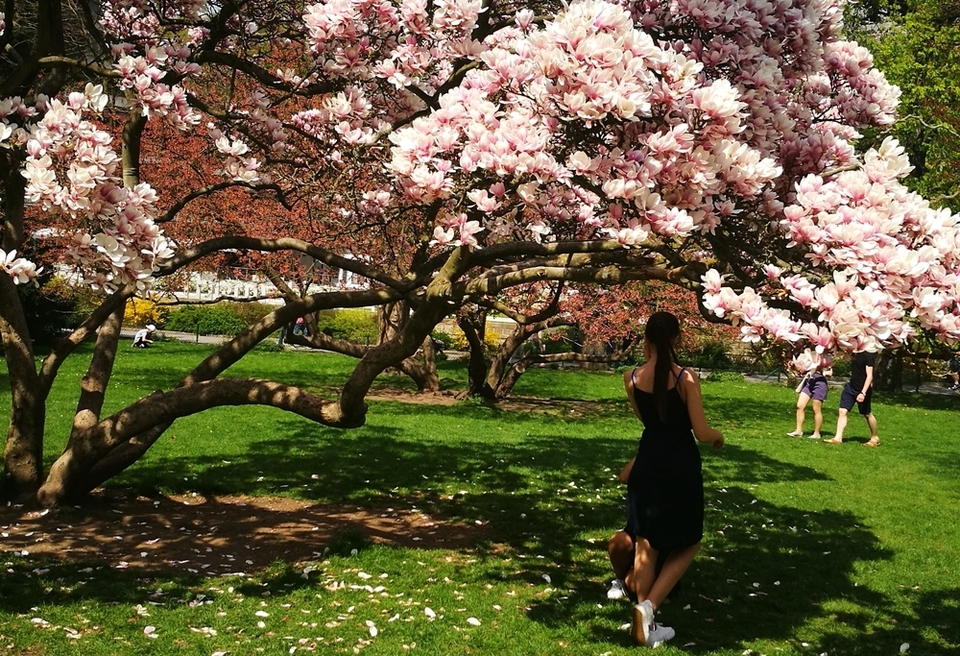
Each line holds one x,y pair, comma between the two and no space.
849,397
815,387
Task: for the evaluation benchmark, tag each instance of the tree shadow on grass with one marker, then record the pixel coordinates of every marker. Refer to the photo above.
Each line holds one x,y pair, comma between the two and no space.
920,401
25,586
524,490
766,573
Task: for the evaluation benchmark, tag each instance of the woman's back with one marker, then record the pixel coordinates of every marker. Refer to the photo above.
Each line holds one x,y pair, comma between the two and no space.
677,418
667,447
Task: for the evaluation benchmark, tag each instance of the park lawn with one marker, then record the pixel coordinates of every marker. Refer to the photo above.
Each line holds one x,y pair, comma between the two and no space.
808,548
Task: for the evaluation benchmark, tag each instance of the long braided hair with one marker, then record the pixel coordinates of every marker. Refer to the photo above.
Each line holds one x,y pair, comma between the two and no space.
662,330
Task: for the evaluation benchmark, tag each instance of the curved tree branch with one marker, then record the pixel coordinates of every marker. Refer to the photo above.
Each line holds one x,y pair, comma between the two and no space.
188,255
171,213
162,408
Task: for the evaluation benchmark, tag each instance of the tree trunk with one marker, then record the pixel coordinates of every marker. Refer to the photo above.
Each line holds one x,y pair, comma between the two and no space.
888,371
76,460
424,374
391,318
473,325
23,451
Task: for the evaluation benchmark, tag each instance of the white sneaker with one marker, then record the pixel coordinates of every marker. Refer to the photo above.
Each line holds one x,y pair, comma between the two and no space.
795,434
642,622
618,589
658,634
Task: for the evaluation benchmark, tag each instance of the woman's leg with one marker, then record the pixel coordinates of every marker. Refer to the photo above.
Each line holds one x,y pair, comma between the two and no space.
801,413
817,417
620,550
640,578
673,569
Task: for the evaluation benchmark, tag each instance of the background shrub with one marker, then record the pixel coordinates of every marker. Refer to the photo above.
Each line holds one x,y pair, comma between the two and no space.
442,340
251,312
354,325
141,311
711,354
559,340
724,377
220,319
841,367
53,307
458,341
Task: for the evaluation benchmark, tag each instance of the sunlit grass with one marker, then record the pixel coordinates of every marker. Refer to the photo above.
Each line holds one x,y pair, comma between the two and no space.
808,549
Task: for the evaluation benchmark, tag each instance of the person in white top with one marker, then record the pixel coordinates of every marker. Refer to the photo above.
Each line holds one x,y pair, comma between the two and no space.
141,338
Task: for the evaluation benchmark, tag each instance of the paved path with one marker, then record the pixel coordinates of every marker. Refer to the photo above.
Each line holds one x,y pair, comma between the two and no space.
925,388
191,338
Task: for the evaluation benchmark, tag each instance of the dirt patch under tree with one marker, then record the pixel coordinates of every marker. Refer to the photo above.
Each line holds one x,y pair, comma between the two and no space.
216,535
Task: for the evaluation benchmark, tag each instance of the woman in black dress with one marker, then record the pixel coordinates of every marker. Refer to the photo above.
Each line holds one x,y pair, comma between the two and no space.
665,484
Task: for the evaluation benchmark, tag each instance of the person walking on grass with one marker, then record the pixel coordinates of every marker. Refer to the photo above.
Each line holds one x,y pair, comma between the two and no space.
813,387
622,551
665,482
860,391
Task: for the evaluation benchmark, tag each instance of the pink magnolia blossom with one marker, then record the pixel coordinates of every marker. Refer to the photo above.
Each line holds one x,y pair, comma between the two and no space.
661,126
19,269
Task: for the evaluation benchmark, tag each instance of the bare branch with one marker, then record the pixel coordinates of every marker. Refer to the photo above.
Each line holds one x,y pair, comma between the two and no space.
185,401
53,61
171,213
189,255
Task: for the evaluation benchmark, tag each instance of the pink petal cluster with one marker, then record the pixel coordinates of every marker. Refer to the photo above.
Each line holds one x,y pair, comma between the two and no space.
18,268
514,118
71,167
895,261
147,57
663,125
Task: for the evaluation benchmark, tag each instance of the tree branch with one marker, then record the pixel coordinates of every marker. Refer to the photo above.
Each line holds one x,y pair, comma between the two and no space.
189,255
171,213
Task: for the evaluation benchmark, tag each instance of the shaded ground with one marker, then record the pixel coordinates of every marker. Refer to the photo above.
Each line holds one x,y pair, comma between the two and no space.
229,534
216,535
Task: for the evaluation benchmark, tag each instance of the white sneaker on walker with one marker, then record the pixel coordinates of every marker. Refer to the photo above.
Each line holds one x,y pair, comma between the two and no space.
658,634
642,622
795,434
618,590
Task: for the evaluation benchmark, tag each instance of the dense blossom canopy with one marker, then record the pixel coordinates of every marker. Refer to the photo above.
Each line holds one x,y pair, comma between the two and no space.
713,134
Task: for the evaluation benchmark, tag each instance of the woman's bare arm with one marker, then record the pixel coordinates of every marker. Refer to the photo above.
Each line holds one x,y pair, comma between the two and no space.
628,386
690,386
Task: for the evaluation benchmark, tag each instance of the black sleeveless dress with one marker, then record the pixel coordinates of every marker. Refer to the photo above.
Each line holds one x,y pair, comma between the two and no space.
665,488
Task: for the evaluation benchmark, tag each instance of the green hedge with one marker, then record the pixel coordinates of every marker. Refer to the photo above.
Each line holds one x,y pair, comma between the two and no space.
219,319
355,325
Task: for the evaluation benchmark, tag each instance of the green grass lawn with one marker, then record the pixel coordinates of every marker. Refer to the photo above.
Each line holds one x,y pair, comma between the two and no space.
808,549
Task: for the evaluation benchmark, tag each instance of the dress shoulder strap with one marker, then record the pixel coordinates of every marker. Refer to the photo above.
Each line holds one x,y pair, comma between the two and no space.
678,388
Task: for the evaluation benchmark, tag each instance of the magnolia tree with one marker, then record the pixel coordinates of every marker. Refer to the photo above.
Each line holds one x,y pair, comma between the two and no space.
458,149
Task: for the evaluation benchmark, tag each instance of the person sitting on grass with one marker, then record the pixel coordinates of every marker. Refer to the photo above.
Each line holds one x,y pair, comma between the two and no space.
954,370
141,339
